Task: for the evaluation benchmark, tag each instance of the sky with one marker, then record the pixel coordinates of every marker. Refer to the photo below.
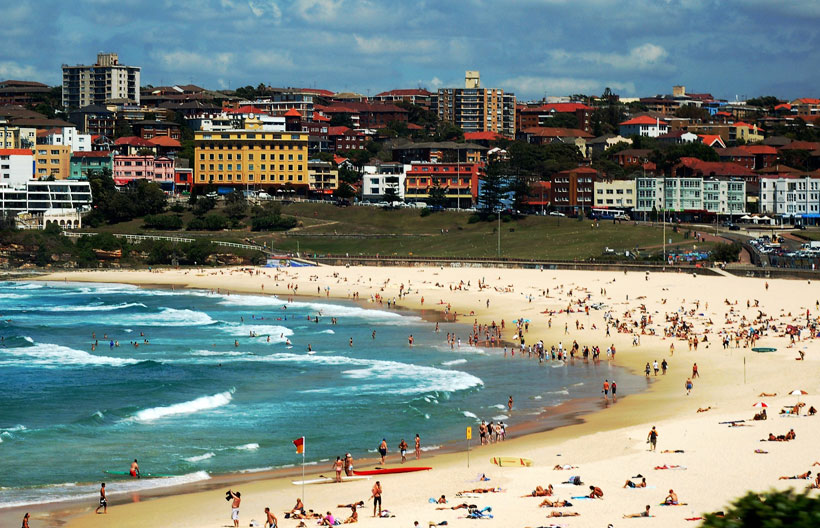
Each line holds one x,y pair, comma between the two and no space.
734,49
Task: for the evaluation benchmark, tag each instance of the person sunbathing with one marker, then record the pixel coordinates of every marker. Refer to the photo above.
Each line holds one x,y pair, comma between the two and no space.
354,515
442,500
802,476
761,415
791,435
299,508
672,451
563,514
480,490
462,506
671,499
539,491
704,409
351,505
641,484
767,395
666,466
595,492
555,504
559,467
644,513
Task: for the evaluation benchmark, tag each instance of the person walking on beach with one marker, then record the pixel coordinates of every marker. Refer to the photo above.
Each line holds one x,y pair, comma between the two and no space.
135,469
655,366
664,366
377,497
103,500
614,388
403,450
383,449
337,466
418,447
348,464
695,373
689,386
235,507
647,369
652,439
270,519
606,389
25,520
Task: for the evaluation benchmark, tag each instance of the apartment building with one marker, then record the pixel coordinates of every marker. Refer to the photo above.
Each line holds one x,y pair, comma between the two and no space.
323,177
82,164
459,181
52,161
100,83
790,195
615,194
643,126
252,156
477,109
138,167
16,166
573,189
377,178
691,197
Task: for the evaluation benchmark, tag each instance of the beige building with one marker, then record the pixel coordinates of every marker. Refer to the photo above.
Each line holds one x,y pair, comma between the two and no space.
323,177
615,194
9,136
52,160
106,80
477,109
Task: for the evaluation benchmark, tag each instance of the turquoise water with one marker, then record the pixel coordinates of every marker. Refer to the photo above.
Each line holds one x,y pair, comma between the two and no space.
192,403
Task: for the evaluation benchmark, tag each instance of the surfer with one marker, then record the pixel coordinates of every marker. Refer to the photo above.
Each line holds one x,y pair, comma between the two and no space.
135,469
103,500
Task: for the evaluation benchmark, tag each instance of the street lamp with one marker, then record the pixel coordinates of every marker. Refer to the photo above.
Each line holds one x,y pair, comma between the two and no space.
499,232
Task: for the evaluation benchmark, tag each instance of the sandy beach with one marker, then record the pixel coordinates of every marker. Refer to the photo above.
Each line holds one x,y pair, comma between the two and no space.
718,462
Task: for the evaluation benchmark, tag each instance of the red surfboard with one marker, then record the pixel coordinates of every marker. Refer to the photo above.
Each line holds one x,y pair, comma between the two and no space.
387,471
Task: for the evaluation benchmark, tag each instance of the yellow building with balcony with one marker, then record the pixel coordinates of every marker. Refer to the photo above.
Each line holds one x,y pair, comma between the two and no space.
254,157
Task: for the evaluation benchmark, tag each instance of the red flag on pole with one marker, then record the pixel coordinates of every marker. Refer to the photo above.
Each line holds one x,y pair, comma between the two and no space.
300,445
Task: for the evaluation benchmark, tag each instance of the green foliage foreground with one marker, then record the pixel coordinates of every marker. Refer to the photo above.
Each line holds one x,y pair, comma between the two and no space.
773,509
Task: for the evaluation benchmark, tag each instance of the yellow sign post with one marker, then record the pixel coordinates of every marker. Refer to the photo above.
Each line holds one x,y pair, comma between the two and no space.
469,437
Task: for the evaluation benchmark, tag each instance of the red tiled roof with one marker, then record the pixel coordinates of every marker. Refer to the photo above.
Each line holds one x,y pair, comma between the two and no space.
293,113
478,136
413,126
317,91
165,141
808,100
336,109
133,141
319,117
91,154
718,168
747,125
556,132
643,120
801,145
783,106
338,159
725,114
711,139
342,131
247,109
759,149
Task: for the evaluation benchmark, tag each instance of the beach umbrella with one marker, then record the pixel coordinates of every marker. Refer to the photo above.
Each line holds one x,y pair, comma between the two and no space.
760,404
798,393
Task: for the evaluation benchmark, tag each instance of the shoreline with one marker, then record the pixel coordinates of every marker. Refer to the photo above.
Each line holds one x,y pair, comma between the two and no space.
660,403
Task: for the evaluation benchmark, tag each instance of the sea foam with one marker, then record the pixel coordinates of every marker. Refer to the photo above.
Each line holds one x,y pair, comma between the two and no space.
50,355
202,403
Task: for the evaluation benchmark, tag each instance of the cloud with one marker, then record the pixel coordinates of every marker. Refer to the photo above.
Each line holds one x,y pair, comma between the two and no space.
317,10
536,87
191,61
373,45
266,8
644,57
270,59
13,70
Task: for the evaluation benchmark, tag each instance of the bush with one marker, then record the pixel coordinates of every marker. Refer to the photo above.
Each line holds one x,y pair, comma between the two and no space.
272,222
211,222
203,205
166,221
425,212
782,509
178,208
725,253
474,218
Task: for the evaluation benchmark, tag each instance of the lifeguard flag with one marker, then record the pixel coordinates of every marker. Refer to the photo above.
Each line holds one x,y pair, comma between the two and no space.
300,445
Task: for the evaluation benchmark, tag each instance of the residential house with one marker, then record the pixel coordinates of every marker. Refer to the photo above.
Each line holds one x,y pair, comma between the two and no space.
690,197
147,129
142,167
16,166
615,194
644,126
439,151
544,115
22,92
597,146
82,164
631,157
416,96
540,196
791,195
133,145
546,135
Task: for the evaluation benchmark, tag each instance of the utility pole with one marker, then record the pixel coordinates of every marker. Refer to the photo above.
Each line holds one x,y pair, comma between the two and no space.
499,232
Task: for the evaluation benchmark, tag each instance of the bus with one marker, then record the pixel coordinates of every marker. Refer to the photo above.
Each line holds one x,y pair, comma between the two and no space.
609,214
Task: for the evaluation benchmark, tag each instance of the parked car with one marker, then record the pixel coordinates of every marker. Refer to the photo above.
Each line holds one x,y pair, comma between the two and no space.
734,227
556,213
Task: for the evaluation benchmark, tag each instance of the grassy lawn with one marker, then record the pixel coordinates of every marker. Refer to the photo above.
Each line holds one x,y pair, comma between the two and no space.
443,234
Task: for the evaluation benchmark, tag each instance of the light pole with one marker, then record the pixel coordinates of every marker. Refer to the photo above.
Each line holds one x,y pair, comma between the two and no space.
499,232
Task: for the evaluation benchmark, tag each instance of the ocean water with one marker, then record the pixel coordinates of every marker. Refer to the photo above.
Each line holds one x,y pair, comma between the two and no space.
204,396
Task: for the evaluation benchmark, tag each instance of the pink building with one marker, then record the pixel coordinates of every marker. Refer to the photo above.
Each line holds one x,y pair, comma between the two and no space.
127,168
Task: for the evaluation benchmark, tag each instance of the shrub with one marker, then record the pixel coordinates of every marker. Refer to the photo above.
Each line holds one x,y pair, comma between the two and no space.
425,212
474,218
166,221
272,222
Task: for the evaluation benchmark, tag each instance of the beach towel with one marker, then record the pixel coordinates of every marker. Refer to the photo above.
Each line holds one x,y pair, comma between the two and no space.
581,497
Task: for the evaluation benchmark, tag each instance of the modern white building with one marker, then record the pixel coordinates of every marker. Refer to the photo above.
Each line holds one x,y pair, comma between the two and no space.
691,195
644,126
789,195
615,194
378,178
16,166
105,81
40,196
66,136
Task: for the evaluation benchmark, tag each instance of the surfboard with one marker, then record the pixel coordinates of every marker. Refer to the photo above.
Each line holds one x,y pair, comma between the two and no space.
511,461
388,471
764,349
327,480
142,475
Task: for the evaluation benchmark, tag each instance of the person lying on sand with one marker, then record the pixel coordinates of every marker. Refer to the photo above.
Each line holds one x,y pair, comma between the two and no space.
641,484
559,467
462,506
555,504
802,476
644,513
672,451
704,409
767,395
539,491
666,466
563,514
672,498
480,490
351,505
595,492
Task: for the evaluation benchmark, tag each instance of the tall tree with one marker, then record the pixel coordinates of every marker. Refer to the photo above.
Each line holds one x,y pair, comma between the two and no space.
437,195
492,186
